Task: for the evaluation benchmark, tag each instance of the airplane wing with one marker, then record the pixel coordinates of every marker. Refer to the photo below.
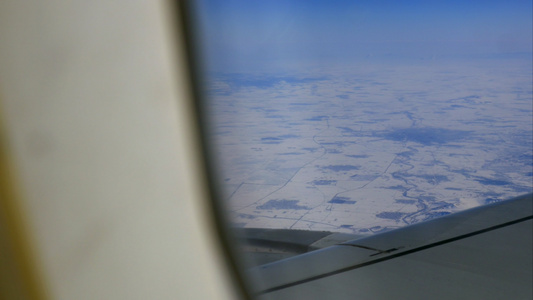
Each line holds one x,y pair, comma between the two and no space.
481,253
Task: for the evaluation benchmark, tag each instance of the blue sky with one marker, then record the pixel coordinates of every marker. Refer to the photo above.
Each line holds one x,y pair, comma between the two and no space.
262,34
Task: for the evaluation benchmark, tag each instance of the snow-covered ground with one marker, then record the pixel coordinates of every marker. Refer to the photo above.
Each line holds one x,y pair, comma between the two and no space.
368,148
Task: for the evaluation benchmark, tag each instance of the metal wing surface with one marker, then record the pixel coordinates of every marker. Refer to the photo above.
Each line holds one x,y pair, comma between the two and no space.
481,253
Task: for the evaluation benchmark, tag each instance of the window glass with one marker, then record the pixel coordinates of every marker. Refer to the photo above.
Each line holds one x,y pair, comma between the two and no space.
365,116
